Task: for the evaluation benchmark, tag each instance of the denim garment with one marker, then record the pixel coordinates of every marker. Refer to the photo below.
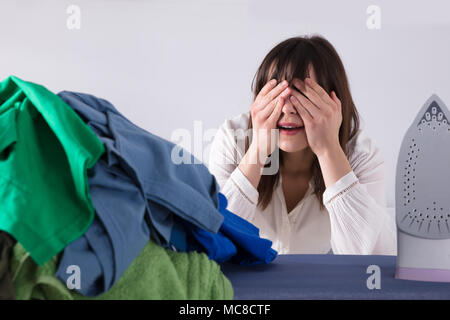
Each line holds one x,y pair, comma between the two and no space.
137,190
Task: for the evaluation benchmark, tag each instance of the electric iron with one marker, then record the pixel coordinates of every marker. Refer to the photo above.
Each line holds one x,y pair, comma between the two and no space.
422,196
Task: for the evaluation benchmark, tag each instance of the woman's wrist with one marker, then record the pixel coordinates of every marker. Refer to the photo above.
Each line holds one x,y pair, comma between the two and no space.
252,164
256,156
333,164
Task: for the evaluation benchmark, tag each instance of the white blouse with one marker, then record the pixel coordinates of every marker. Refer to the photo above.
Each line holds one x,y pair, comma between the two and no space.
355,221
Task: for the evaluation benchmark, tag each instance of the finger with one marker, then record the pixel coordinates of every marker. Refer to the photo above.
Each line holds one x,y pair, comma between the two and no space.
266,111
273,118
319,91
306,117
307,104
309,93
336,100
267,87
275,92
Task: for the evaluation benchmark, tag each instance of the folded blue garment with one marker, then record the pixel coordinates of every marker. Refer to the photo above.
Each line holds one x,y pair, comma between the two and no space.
237,241
251,248
137,191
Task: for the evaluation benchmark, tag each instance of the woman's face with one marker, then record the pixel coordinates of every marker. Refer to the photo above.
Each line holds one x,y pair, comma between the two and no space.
292,140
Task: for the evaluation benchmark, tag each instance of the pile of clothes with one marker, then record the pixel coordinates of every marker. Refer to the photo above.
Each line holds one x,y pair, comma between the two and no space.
89,198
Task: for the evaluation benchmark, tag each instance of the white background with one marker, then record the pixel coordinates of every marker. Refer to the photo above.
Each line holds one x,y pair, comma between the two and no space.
166,64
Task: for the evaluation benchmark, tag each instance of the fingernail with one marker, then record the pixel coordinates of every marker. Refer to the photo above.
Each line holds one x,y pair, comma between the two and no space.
284,83
273,81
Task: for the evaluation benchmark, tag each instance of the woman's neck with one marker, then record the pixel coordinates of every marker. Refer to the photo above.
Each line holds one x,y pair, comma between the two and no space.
298,163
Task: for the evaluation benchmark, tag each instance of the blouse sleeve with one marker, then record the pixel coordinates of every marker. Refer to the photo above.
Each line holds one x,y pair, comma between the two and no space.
360,221
224,157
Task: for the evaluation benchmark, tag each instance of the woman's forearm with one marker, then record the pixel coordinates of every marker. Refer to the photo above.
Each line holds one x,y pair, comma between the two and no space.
252,164
334,165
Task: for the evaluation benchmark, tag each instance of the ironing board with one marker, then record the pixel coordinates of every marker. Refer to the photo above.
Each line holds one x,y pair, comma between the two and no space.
326,277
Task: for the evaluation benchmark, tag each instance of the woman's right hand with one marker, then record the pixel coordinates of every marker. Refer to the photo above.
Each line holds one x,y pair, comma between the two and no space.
265,112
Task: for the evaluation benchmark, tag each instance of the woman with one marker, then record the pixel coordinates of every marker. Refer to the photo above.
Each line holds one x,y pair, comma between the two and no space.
329,192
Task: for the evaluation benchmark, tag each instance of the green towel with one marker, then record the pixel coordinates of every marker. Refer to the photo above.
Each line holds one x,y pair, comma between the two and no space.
157,273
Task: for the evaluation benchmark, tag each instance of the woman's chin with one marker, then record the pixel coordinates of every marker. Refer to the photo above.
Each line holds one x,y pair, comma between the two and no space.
292,146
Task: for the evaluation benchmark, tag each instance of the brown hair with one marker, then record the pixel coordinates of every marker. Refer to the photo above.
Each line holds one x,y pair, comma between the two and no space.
291,59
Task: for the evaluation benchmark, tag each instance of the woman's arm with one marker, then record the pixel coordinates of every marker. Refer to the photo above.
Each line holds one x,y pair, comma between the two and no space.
333,164
360,222
251,165
224,158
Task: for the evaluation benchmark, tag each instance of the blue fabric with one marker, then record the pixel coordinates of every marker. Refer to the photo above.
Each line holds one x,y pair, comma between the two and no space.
237,241
137,190
251,249
326,276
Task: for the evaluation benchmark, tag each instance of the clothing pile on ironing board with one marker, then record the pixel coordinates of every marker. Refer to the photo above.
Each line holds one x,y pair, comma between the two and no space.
82,186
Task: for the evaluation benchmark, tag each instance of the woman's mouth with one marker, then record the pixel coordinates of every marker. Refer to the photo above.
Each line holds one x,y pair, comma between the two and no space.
289,128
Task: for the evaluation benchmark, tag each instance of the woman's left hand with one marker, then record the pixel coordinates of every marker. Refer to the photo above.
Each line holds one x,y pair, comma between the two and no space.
321,114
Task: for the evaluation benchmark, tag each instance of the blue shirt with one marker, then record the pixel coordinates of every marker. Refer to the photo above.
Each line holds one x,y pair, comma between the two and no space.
136,190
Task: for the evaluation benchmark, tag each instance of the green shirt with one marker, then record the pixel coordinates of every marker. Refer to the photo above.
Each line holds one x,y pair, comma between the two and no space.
45,151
